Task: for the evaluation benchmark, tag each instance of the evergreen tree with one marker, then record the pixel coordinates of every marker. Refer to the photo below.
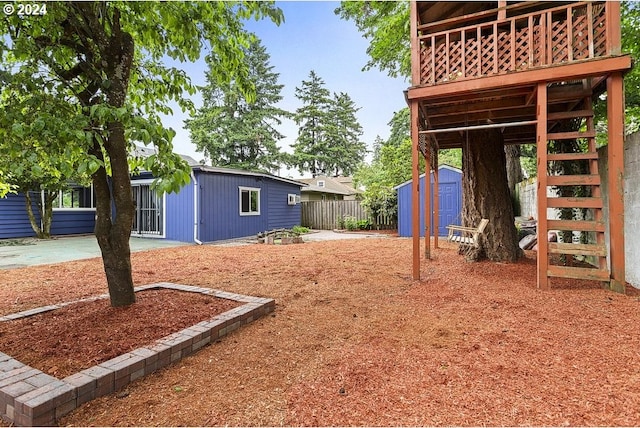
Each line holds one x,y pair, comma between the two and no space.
234,130
329,132
309,151
343,132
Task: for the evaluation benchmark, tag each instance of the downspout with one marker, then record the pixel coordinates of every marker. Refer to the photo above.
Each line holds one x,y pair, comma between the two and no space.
195,209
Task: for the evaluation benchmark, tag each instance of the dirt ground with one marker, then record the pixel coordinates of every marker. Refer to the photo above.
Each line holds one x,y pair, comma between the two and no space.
354,341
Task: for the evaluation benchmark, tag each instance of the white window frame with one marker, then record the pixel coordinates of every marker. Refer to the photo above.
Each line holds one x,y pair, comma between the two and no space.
58,201
321,183
248,189
163,233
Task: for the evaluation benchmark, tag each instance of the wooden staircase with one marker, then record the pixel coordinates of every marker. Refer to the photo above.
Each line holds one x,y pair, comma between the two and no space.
558,259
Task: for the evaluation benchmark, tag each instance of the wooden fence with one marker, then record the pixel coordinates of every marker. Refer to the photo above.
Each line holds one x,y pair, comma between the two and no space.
327,215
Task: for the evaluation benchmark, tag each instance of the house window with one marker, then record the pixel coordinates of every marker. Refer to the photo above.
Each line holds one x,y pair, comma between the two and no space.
320,183
249,201
75,197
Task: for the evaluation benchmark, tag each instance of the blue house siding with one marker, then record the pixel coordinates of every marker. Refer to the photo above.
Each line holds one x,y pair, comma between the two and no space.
14,222
450,202
73,222
219,206
179,219
280,213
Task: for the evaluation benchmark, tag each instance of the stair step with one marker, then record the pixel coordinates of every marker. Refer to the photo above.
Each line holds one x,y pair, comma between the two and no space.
577,225
571,156
574,180
569,114
571,135
574,202
577,273
598,250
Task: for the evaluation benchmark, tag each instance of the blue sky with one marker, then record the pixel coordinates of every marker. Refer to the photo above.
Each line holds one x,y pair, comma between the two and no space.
314,38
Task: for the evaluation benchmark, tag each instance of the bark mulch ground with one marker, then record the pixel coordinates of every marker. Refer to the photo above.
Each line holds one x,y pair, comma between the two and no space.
354,341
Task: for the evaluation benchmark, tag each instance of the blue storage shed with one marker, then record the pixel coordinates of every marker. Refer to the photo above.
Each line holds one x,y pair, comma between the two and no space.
218,204
450,201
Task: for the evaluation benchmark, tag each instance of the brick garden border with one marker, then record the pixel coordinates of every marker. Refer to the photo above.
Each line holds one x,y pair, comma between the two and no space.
29,397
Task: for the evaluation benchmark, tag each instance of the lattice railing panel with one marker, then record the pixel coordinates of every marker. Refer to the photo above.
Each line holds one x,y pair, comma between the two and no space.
554,36
538,47
455,60
426,70
472,59
599,32
580,37
522,49
504,51
487,55
559,43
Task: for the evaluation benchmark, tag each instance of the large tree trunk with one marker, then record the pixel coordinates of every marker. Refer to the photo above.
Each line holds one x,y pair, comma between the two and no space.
514,173
113,235
486,195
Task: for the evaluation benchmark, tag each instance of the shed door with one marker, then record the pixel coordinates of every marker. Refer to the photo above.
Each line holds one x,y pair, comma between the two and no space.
450,206
148,219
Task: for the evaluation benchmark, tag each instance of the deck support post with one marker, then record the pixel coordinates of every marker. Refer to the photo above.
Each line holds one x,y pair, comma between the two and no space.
436,206
415,190
615,177
541,146
427,206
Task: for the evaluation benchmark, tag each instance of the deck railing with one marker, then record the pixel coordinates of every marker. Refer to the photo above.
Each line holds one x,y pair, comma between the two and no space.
553,36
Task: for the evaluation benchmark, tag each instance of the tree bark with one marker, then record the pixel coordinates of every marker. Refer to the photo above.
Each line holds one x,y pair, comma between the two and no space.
486,195
42,230
113,232
514,173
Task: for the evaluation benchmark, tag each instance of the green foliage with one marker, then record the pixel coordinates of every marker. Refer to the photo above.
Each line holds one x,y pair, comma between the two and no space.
104,64
329,134
386,25
352,223
236,131
300,230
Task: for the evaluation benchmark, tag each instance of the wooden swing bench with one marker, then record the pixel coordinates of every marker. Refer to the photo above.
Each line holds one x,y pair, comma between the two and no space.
467,237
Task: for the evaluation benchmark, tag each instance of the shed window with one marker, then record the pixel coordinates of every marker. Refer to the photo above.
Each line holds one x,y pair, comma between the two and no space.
249,201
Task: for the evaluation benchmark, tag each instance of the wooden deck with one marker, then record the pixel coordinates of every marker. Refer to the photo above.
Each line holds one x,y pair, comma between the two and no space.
527,68
550,37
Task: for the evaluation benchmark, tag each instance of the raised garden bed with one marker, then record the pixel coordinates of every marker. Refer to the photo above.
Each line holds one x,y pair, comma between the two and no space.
30,397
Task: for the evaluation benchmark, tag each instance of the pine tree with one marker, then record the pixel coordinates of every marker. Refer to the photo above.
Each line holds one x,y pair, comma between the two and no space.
309,151
237,132
329,132
343,132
